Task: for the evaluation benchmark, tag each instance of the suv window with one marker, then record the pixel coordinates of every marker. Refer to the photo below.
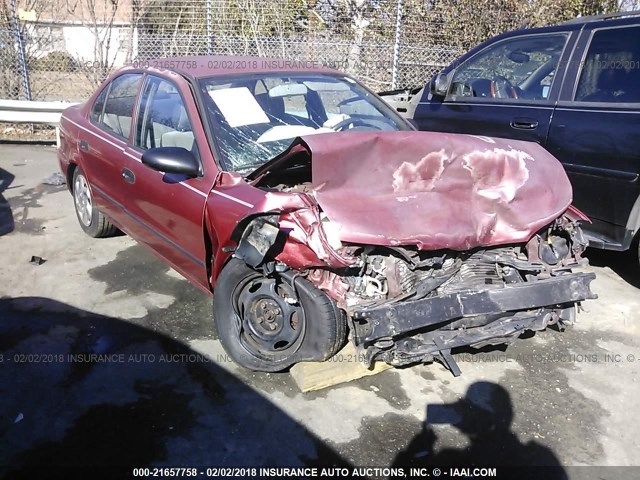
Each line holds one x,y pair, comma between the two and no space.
521,67
118,108
163,119
611,69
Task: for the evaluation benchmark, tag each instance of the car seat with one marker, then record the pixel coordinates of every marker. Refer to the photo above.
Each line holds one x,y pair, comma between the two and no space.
182,135
609,86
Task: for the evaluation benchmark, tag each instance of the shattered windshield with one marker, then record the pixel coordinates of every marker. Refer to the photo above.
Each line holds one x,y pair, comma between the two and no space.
256,117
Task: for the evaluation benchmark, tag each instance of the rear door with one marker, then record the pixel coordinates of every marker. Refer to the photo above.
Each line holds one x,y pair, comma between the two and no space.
595,129
507,89
169,208
104,140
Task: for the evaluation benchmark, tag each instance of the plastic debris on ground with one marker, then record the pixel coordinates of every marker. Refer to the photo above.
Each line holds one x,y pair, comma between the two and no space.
36,260
55,178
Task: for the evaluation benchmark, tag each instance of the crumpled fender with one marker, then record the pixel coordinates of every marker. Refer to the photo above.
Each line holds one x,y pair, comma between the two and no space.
305,242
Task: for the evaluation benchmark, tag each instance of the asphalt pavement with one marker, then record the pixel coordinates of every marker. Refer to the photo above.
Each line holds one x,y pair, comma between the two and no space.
109,357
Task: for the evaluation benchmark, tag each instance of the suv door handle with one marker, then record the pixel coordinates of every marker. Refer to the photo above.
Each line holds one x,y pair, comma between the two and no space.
128,175
524,124
84,145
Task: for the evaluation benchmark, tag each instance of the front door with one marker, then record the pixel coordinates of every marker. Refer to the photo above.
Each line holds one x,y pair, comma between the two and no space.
169,208
506,90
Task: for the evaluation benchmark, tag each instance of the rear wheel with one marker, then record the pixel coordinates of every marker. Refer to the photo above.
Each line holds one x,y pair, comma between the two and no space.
270,323
92,221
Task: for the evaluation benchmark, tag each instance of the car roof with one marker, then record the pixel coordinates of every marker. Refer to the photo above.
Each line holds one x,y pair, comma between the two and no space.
602,17
217,65
610,19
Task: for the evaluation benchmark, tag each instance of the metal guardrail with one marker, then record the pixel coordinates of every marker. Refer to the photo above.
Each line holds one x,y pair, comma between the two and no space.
22,111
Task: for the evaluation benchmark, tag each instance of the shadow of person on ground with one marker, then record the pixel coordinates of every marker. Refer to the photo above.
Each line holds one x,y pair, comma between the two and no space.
625,264
80,390
6,215
484,415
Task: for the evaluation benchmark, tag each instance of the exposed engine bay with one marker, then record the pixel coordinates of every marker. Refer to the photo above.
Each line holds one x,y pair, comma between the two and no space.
407,306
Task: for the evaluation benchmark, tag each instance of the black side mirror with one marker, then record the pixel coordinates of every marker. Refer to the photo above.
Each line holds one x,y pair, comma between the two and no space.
440,85
172,160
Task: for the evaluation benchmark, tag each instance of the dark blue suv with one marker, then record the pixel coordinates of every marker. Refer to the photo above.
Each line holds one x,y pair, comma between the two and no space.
575,89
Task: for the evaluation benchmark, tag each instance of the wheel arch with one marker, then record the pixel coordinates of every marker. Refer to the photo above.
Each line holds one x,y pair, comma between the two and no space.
218,254
70,171
633,223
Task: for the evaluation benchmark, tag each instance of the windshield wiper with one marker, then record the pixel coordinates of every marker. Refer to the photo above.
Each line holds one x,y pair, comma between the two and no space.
246,170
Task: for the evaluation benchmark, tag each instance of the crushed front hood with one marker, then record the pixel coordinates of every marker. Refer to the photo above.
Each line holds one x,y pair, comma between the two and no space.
435,190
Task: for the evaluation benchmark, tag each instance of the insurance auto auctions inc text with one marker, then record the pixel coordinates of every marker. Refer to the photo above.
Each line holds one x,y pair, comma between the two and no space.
413,472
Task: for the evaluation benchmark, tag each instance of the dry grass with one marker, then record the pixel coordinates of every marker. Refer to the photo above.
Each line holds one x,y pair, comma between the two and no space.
23,132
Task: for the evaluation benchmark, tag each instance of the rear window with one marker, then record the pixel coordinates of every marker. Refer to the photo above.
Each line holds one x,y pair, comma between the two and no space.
118,108
98,106
611,70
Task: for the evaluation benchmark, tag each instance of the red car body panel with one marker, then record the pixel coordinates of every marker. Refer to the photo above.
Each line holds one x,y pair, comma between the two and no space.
378,188
165,214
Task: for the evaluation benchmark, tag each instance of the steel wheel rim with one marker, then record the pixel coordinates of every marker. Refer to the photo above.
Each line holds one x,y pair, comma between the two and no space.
281,331
82,197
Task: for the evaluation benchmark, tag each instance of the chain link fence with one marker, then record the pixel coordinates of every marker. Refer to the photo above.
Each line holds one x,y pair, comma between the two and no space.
63,49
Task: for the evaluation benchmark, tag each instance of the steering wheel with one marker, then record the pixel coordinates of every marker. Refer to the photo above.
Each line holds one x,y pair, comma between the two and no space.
503,88
354,122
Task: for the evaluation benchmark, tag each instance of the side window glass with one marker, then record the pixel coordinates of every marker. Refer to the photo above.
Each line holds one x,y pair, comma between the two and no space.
98,106
611,70
118,109
522,67
163,119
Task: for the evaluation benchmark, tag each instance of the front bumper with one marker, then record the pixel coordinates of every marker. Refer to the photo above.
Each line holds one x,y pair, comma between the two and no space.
406,331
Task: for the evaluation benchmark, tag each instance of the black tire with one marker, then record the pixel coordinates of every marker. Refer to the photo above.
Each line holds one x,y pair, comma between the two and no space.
92,221
321,328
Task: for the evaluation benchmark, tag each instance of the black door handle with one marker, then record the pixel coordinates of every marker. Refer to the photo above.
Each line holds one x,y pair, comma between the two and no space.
524,124
128,175
84,145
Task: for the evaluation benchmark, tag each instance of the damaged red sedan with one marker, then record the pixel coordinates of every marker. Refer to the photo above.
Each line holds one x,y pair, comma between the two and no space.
315,214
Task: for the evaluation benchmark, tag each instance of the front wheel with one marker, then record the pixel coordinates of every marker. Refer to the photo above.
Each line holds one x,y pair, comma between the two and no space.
268,323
